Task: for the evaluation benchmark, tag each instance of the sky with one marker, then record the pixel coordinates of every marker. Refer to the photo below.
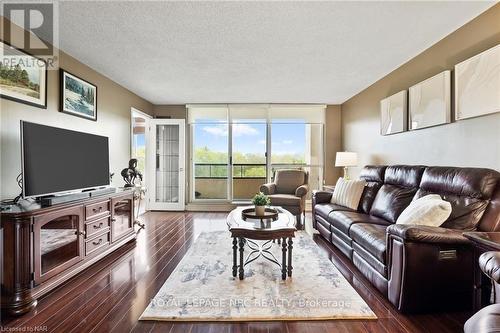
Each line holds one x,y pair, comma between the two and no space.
250,137
287,138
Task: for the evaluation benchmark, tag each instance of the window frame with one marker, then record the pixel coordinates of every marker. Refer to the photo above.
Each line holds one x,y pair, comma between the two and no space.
269,165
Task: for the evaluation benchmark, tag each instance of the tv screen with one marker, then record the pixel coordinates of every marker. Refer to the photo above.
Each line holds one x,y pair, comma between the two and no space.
57,160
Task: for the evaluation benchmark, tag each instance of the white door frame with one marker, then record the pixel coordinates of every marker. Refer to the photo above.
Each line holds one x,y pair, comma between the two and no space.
151,159
147,117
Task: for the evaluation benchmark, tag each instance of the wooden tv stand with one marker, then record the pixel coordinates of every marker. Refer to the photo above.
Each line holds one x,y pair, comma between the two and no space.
45,246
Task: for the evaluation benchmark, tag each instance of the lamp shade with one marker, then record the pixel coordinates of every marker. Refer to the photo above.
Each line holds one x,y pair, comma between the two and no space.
346,159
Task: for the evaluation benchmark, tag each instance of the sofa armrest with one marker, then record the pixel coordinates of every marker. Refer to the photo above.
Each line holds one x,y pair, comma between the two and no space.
319,197
301,191
489,262
429,268
427,234
269,188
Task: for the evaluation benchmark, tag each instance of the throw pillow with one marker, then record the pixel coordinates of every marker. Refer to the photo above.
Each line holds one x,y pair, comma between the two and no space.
429,210
347,193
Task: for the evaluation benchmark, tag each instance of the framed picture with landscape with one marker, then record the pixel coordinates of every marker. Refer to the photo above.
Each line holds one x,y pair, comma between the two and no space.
23,77
78,97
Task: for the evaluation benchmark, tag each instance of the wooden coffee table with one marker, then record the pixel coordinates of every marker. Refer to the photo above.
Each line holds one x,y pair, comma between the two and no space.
244,231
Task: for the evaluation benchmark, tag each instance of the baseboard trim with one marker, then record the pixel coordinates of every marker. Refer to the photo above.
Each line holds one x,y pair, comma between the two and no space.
220,207
209,207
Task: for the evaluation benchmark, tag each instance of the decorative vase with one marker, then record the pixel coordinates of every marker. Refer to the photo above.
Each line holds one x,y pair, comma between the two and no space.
260,210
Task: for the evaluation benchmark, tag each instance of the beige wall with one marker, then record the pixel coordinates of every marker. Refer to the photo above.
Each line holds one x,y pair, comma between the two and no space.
333,144
471,142
172,111
113,120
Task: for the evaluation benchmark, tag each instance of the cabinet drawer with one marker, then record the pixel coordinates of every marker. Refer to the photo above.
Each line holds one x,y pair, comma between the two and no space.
99,208
92,228
96,243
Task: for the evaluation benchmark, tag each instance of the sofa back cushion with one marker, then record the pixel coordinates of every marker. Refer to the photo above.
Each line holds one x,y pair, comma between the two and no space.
400,185
491,217
374,177
469,191
373,173
288,180
404,175
390,201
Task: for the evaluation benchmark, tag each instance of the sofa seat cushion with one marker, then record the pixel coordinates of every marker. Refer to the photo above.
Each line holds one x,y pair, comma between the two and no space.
380,267
324,210
371,237
343,220
341,235
323,222
284,200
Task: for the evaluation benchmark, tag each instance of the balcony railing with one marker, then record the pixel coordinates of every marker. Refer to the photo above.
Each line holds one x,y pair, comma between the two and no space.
219,171
211,179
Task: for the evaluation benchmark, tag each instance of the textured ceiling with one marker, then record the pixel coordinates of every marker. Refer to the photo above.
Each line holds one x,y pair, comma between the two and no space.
251,52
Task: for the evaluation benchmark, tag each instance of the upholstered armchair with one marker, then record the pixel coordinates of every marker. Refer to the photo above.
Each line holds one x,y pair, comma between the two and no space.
289,191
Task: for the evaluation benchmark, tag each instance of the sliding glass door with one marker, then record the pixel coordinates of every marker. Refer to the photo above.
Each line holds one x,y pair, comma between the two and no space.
298,145
248,151
236,148
209,154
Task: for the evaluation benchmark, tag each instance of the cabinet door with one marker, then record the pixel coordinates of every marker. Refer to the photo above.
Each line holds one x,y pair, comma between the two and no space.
122,217
58,241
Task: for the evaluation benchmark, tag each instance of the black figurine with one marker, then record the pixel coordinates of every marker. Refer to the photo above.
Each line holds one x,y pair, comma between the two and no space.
131,173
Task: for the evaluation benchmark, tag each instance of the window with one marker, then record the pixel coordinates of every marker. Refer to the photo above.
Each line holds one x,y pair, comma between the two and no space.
139,124
237,148
209,134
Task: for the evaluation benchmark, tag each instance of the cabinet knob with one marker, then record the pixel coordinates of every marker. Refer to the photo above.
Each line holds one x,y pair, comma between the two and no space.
80,233
113,219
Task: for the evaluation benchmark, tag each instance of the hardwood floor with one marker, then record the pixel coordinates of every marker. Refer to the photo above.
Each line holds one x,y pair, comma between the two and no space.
111,295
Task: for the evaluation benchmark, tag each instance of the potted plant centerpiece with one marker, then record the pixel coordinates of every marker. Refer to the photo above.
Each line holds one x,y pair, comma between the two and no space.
260,200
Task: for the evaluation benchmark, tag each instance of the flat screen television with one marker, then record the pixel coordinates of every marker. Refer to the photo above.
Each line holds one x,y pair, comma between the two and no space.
56,160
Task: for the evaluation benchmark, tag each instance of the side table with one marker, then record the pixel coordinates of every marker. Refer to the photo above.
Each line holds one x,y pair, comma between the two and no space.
483,242
328,188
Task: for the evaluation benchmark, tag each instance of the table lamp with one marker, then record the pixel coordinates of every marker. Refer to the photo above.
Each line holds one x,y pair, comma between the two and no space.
346,159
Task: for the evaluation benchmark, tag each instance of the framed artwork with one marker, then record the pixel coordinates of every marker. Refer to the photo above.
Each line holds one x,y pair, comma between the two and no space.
394,114
78,97
477,85
23,77
430,102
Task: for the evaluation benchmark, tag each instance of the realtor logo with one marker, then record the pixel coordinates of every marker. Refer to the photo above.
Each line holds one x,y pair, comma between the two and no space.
38,21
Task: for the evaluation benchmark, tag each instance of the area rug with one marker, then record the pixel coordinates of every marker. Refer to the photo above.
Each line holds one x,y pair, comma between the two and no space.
202,287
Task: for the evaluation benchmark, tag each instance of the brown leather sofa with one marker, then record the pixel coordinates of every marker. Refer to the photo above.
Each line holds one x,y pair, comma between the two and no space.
417,268
487,320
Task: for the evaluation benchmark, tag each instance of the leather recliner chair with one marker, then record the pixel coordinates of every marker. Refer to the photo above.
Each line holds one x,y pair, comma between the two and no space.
418,268
487,320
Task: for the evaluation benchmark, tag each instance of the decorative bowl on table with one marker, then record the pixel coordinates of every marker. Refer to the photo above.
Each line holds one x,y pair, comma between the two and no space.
269,214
